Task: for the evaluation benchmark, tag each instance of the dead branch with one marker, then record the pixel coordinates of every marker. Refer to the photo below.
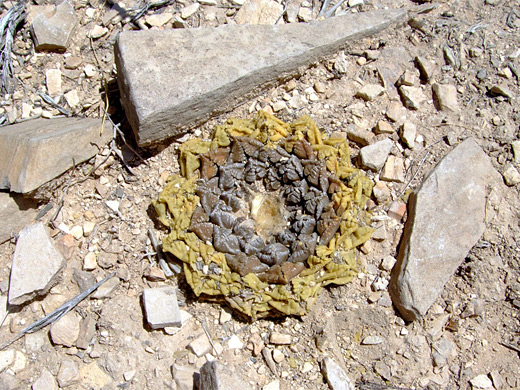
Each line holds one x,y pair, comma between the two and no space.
58,313
8,25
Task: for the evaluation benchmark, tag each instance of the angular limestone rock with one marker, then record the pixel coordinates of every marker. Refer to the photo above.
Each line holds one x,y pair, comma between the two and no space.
36,263
174,80
259,12
445,97
374,156
216,376
34,152
15,213
52,31
335,375
446,218
161,307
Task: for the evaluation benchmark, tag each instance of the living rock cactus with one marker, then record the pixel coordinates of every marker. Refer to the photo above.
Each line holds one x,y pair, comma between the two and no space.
265,214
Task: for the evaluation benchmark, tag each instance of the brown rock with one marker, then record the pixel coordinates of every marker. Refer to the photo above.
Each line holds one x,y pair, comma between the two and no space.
393,170
360,136
384,127
87,331
445,97
256,344
370,92
413,97
397,210
66,245
395,112
426,68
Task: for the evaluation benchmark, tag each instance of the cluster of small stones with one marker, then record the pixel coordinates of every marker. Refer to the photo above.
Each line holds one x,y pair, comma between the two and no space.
264,207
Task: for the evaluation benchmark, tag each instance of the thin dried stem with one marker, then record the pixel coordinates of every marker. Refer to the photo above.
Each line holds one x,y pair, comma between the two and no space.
8,25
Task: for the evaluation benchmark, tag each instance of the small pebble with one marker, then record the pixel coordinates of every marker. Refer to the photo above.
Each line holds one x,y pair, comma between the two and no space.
128,375
113,205
77,232
159,20
372,340
481,382
501,90
88,228
408,133
90,262
305,14
383,127
225,316
370,92
235,343
515,146
97,32
90,70
511,175
278,356
319,87
278,106
188,11
274,385
280,338
72,98
482,74
388,263
307,366
361,61
53,82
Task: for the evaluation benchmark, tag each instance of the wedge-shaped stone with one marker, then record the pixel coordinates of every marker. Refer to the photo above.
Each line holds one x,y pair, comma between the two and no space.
446,218
174,80
34,152
36,263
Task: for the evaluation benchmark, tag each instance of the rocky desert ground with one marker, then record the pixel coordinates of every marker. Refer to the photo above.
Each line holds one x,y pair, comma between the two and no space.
447,71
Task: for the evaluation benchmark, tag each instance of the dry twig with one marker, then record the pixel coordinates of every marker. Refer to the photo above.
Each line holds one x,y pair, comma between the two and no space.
139,12
49,100
167,268
62,199
58,313
209,337
8,24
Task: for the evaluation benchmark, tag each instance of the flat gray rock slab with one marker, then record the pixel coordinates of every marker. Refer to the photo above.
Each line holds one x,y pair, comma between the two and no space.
174,80
15,213
161,307
216,376
35,152
36,263
446,219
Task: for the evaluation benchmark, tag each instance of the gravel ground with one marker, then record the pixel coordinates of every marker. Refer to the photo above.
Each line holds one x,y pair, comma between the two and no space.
471,330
